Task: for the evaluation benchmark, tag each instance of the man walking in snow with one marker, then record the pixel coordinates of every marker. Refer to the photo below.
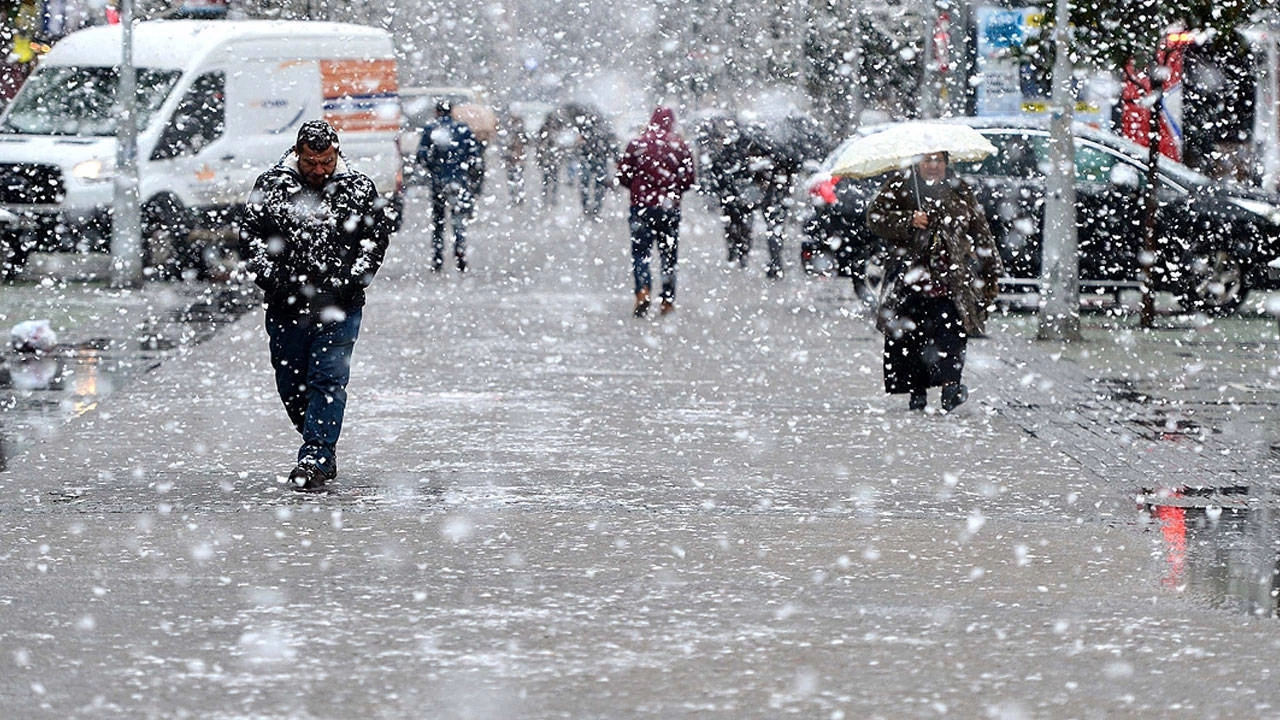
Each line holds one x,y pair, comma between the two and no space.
657,168
451,154
316,233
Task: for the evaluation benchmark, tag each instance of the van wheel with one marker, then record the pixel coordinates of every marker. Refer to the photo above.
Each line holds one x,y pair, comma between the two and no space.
166,230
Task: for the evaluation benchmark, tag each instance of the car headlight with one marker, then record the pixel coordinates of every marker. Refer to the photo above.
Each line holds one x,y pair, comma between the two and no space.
93,171
1258,207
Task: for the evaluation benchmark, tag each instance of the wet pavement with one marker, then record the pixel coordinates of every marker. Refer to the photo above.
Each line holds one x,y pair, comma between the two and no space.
106,337
550,509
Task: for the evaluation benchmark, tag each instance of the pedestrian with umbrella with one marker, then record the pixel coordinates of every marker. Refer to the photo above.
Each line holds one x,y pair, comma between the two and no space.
943,264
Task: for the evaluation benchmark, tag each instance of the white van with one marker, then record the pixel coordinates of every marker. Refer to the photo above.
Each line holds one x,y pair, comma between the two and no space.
219,102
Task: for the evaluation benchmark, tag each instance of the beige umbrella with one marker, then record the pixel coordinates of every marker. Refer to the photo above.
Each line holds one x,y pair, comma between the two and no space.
903,144
480,118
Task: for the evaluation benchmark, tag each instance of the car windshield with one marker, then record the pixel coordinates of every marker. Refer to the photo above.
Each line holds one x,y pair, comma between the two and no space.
81,100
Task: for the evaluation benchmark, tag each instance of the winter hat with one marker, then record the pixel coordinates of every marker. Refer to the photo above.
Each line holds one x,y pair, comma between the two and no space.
317,135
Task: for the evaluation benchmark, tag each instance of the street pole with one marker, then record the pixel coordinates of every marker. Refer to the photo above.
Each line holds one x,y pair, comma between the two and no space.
1151,199
1059,261
928,107
1268,95
126,234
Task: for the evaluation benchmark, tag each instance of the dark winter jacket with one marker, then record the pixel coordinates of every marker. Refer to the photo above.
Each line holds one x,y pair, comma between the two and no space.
311,249
449,151
956,256
657,166
742,170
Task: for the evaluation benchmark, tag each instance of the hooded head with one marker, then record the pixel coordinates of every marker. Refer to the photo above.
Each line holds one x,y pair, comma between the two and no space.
663,120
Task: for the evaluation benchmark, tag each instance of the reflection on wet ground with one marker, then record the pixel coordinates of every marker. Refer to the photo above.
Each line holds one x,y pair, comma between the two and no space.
41,392
1224,548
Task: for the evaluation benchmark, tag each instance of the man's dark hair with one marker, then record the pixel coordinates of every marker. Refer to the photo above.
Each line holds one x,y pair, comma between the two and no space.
317,135
444,107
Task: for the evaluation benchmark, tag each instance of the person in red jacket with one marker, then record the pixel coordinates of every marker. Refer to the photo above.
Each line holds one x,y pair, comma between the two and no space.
657,168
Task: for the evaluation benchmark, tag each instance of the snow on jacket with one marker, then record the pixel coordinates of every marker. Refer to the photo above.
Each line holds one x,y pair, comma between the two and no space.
310,249
449,151
657,166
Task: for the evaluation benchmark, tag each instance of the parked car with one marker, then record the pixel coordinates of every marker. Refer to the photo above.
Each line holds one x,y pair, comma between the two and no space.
1215,239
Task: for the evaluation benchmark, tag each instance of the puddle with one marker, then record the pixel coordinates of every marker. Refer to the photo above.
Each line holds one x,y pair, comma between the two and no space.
39,394
1219,545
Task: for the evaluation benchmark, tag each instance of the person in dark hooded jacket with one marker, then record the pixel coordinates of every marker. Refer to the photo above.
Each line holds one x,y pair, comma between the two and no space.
316,233
657,167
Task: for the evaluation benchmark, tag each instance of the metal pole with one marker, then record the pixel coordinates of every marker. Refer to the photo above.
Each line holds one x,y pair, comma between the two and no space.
1151,199
929,80
1269,96
1059,261
126,240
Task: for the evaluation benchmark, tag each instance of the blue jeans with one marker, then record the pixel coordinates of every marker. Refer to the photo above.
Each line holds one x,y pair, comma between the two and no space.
312,361
651,225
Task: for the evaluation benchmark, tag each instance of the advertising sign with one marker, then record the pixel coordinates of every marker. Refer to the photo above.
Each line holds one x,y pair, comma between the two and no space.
1005,86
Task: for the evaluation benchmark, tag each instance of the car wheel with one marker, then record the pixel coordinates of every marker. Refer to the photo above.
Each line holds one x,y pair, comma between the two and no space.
1215,283
821,262
872,281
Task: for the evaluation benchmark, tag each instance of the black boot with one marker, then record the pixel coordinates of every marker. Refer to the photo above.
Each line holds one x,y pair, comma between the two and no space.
312,475
953,396
919,398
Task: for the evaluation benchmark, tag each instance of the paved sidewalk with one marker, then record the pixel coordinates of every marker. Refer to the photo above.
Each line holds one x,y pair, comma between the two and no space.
549,509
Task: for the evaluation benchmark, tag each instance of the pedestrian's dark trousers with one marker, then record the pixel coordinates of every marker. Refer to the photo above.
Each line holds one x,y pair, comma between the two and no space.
456,199
775,218
737,230
312,361
594,174
930,351
650,225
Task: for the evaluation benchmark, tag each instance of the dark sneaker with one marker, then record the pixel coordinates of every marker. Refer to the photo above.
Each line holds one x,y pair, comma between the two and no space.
311,476
953,396
462,264
306,478
919,398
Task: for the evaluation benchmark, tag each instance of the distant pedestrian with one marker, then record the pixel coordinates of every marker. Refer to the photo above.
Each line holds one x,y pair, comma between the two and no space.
550,153
515,150
939,283
316,231
451,155
735,158
596,146
658,169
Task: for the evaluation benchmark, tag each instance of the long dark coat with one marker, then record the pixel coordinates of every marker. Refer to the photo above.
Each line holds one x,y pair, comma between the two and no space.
957,225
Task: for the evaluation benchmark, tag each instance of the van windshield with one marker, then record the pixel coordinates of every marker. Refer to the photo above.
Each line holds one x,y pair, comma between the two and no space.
73,100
